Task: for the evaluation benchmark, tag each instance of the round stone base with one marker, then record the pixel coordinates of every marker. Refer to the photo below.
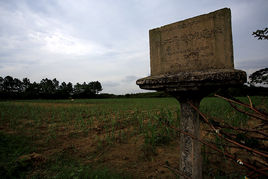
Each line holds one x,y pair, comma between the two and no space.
194,81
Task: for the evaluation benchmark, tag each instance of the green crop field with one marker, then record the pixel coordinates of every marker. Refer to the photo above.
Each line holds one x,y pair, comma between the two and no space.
105,138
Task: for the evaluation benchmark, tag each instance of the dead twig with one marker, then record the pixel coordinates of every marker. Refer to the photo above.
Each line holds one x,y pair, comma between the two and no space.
250,102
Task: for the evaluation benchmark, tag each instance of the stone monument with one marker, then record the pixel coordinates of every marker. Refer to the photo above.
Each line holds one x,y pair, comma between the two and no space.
190,59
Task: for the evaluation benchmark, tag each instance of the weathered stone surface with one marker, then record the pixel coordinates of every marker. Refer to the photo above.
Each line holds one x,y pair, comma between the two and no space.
194,81
190,149
196,44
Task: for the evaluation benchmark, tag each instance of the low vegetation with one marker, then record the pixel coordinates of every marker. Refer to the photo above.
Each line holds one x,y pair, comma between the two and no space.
107,138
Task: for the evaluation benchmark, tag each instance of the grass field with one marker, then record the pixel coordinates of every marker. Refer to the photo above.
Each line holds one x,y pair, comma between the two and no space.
103,138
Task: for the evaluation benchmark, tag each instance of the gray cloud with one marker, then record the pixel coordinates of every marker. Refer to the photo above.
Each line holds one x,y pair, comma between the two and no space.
253,63
108,40
129,79
109,84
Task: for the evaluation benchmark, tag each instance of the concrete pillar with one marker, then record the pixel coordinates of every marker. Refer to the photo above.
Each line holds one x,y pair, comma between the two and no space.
190,149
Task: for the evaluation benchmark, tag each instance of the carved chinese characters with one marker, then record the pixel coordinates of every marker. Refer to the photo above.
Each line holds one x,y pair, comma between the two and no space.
197,44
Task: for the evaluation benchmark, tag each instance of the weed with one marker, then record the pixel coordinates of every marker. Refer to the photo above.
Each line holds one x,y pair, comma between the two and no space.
11,148
50,124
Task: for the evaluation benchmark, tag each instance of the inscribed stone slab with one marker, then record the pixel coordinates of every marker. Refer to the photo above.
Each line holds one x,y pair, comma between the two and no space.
196,44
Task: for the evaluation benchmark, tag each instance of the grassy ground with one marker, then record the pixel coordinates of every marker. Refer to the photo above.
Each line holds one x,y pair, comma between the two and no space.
103,138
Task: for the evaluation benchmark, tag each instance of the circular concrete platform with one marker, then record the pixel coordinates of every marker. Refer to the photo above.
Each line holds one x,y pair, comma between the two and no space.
194,81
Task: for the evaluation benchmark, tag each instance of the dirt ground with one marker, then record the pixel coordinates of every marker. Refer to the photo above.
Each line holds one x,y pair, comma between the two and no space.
126,151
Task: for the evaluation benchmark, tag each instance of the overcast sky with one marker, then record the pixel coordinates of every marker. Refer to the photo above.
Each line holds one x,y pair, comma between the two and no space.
108,40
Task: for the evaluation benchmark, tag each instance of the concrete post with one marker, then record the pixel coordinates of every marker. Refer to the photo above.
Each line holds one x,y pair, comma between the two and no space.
190,149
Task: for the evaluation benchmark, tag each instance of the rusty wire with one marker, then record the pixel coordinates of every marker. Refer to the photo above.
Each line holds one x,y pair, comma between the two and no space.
218,132
255,172
261,115
219,150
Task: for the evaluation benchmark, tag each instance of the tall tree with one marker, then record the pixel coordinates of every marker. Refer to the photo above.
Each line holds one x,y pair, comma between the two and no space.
77,89
259,77
33,91
47,88
17,85
25,84
1,84
70,88
55,83
65,90
8,84
95,87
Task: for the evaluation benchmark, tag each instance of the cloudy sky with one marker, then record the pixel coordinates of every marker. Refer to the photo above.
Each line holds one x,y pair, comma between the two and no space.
108,40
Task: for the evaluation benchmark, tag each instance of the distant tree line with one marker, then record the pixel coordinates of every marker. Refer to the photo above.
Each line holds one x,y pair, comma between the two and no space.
13,88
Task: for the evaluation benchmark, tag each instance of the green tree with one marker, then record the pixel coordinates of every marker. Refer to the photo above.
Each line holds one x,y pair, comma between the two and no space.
8,84
47,88
70,88
87,89
55,83
95,87
77,89
25,84
259,77
1,84
34,90
65,90
17,85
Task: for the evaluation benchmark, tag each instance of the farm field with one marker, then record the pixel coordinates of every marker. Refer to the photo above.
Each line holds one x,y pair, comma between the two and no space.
106,138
